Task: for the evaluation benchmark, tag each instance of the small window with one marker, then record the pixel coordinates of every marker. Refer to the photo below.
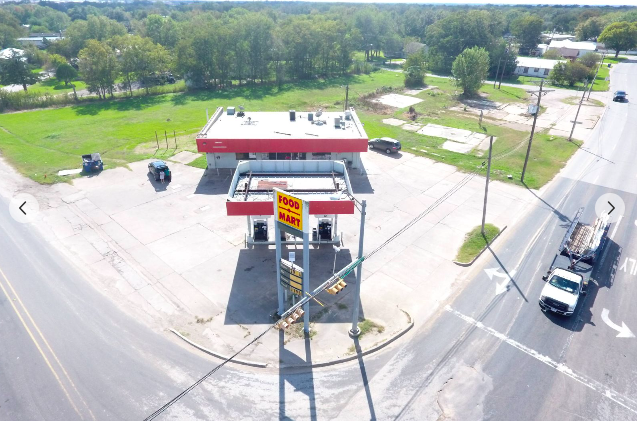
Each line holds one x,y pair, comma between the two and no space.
536,70
546,71
526,70
242,156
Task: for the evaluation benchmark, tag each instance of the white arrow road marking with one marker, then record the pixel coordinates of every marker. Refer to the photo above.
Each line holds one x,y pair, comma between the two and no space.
500,287
624,331
628,403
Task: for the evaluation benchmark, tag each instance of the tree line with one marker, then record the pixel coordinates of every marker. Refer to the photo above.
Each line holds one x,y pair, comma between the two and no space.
214,45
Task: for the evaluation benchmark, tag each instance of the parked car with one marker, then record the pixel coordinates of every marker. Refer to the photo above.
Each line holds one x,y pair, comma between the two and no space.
159,166
619,96
389,145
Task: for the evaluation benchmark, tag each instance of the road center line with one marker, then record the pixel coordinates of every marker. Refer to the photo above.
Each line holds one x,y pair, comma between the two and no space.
584,380
17,297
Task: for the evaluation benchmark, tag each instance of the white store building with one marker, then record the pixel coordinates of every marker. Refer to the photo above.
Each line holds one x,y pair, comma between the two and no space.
533,66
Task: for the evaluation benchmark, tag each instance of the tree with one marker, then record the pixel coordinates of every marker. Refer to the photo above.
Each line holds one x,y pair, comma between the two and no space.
10,29
527,30
589,29
16,70
620,36
65,72
414,69
590,60
470,69
54,61
161,30
568,73
140,60
448,37
98,28
99,67
553,54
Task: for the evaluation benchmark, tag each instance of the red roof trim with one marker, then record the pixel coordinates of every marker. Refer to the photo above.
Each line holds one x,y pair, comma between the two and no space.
265,208
288,145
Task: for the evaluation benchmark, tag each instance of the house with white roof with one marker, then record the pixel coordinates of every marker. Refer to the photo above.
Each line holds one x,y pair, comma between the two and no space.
583,47
533,66
10,53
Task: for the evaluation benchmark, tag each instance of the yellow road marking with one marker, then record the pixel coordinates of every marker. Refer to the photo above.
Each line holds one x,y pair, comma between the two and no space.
17,297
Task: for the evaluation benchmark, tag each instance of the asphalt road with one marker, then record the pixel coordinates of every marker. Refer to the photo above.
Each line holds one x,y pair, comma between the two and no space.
519,363
69,353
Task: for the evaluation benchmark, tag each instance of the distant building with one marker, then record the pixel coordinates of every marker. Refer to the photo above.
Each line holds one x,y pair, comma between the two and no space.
40,39
557,37
583,47
533,66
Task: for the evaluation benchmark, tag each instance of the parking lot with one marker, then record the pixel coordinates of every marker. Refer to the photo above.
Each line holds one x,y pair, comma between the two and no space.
168,253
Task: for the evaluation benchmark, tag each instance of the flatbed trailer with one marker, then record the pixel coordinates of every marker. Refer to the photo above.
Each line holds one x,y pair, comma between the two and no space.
573,263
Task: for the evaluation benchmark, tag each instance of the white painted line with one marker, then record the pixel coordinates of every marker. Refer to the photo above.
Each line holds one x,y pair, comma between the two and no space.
616,228
614,396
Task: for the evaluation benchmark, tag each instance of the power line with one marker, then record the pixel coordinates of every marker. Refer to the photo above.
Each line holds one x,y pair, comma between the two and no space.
334,278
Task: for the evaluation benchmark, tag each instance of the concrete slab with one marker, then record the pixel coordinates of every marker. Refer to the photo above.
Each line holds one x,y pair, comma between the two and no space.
393,121
185,157
457,147
398,100
69,172
413,127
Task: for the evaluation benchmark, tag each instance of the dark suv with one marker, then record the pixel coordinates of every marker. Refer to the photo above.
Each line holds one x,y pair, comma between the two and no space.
619,96
389,145
159,166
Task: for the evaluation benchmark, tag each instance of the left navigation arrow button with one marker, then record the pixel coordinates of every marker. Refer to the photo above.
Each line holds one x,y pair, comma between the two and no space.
24,208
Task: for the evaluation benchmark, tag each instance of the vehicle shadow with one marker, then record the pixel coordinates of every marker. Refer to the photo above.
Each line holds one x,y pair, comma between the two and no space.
602,276
157,185
395,156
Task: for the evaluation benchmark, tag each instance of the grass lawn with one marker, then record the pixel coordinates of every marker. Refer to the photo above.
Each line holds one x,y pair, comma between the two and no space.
43,142
575,100
54,86
548,154
474,242
200,162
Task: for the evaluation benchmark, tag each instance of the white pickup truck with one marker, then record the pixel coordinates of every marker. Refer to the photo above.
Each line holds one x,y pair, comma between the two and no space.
566,280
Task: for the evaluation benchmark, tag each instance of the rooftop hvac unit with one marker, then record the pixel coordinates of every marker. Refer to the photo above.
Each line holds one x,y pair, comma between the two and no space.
310,117
336,122
231,111
292,115
319,113
347,115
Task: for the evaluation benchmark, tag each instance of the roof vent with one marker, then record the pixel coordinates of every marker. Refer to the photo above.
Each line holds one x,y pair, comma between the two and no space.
292,115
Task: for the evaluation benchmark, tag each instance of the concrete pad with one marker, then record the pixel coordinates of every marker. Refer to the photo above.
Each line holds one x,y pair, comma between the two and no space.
415,92
393,121
81,248
69,172
121,236
184,157
411,127
189,247
457,147
149,261
188,295
442,240
398,100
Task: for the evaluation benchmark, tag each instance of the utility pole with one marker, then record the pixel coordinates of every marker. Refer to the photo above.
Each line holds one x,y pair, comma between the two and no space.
497,72
354,332
486,185
578,111
540,93
504,65
595,76
346,100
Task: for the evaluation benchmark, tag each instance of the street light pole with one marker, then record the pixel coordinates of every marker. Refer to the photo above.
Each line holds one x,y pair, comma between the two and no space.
354,332
595,76
497,72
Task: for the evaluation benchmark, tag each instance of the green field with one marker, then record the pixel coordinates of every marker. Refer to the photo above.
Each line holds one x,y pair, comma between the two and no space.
53,86
43,142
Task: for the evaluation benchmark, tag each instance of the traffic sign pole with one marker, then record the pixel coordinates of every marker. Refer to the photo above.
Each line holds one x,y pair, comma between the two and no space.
278,256
305,261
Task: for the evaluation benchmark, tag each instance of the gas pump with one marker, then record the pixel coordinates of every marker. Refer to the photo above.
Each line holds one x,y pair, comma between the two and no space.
260,230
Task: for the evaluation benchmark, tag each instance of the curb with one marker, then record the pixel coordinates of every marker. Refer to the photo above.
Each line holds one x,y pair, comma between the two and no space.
355,356
220,356
301,366
481,251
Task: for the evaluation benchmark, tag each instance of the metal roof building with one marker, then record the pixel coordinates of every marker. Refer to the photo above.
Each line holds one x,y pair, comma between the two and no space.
230,137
